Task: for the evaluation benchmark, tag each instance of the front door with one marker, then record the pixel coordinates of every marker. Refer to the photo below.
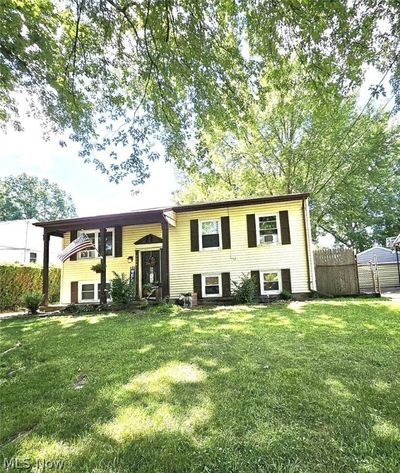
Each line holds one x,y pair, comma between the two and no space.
151,271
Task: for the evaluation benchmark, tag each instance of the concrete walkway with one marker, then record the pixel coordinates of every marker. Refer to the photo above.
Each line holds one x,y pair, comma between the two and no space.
393,294
43,312
12,315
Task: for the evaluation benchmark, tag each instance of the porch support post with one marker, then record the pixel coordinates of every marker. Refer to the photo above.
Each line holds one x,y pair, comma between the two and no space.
103,274
45,271
137,263
165,259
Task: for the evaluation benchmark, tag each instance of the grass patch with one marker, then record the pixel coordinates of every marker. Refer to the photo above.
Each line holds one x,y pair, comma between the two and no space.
297,387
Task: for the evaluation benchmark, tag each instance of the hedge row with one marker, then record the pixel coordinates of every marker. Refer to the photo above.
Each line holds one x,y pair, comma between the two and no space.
16,280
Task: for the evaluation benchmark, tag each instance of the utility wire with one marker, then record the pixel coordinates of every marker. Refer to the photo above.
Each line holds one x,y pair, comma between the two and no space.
352,144
351,171
347,134
348,99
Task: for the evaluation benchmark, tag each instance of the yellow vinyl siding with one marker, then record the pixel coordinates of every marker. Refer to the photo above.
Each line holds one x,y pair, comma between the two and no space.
239,259
183,263
79,270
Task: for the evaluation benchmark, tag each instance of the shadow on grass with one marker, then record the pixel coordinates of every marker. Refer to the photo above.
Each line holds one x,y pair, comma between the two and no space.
289,387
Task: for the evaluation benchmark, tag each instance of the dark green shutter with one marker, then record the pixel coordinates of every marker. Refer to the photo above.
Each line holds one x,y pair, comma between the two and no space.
73,236
226,284
255,275
226,233
251,231
197,285
286,280
285,229
118,241
74,292
194,235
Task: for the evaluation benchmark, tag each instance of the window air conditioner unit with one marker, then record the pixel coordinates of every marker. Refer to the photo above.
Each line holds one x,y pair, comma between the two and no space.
267,238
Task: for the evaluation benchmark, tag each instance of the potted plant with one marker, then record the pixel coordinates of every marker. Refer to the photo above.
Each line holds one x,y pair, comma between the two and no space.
97,268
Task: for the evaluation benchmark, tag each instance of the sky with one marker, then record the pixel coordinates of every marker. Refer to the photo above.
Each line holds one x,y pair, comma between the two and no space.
91,191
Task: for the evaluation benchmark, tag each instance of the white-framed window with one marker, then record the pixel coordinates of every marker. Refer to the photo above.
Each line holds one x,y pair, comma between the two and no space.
95,237
270,282
210,234
211,285
89,291
32,257
268,229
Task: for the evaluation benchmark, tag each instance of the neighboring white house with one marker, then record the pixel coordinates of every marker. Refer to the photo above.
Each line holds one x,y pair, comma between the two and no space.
22,242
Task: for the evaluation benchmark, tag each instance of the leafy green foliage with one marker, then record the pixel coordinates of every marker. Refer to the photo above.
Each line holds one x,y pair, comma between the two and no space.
25,197
295,142
285,295
122,289
163,308
244,291
97,268
17,280
80,309
32,301
126,73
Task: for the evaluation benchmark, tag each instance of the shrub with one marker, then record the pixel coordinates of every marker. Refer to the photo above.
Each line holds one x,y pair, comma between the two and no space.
16,280
79,309
244,291
285,295
164,308
122,289
32,301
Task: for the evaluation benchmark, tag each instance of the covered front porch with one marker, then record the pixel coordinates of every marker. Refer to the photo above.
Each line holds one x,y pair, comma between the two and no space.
140,248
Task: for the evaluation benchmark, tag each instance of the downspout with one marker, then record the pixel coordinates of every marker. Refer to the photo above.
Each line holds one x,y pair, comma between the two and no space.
303,207
26,240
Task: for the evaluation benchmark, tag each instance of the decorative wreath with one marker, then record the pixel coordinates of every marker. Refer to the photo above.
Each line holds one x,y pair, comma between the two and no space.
151,261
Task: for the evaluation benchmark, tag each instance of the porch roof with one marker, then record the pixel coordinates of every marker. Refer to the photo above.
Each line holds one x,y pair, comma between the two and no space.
58,227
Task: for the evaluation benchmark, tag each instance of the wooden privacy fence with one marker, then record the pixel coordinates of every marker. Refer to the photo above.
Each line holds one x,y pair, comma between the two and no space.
376,277
336,271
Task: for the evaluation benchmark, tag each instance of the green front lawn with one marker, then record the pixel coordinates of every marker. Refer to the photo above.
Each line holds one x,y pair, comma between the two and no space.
311,387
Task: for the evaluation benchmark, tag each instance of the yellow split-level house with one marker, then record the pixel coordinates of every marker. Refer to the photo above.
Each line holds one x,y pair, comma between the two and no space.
198,248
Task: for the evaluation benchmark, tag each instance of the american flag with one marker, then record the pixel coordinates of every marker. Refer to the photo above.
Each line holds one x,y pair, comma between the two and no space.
83,242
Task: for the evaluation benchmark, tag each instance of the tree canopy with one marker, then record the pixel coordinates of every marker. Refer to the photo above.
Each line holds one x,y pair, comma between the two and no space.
26,197
122,73
347,158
